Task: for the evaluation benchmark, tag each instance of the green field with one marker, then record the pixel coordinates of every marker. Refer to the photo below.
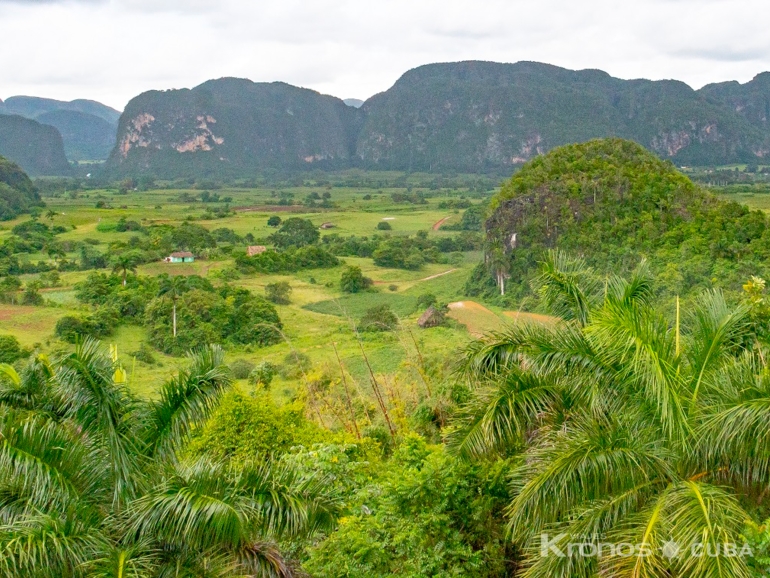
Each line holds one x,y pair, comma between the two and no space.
319,313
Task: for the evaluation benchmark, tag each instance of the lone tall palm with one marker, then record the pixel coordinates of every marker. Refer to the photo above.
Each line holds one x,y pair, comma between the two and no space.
92,482
625,429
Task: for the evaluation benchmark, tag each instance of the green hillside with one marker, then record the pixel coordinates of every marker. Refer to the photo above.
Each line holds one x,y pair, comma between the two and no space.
613,203
38,148
17,193
87,127
232,126
461,116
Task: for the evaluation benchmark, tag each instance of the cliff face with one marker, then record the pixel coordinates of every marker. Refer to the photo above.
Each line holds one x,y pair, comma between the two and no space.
233,126
464,116
37,148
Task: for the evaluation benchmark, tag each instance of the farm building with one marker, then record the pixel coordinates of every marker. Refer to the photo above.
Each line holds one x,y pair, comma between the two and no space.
180,257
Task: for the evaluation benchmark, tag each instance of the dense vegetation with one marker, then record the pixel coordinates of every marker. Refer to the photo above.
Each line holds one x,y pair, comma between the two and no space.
471,117
37,148
17,193
614,202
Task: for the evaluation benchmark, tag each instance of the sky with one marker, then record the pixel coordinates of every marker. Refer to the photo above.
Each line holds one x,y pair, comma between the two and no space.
112,50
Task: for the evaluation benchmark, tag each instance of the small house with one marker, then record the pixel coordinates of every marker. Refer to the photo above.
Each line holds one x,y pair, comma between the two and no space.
432,317
180,257
255,250
328,225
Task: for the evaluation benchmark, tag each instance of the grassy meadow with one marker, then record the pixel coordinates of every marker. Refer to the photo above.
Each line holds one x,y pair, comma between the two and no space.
319,313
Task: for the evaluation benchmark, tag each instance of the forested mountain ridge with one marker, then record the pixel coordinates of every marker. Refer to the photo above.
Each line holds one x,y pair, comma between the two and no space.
462,116
614,203
37,147
233,126
87,127
17,192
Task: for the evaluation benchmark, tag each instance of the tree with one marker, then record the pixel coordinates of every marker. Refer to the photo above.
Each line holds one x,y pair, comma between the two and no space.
353,280
125,262
98,485
384,226
628,427
274,221
295,232
380,318
278,292
174,287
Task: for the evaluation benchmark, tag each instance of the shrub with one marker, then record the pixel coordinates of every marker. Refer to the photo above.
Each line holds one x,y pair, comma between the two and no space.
241,368
274,221
295,364
31,296
380,318
262,375
144,355
353,280
278,292
426,300
392,287
10,350
384,226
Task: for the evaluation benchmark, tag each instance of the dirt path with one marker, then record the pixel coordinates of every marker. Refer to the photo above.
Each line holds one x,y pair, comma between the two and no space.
438,275
437,225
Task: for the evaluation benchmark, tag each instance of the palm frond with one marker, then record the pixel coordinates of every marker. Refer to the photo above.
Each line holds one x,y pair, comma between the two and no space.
187,401
567,287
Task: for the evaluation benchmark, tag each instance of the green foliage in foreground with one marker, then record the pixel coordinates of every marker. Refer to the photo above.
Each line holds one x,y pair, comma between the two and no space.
428,515
625,428
93,483
614,202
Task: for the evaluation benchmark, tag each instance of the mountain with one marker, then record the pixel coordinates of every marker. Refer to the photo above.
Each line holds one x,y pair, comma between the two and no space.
613,203
17,193
88,128
463,116
469,116
233,126
85,136
38,148
33,106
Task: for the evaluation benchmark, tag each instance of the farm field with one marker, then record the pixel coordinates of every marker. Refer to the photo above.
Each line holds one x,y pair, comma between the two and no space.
318,314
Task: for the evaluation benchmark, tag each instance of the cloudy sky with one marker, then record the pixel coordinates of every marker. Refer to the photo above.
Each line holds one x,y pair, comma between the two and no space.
111,50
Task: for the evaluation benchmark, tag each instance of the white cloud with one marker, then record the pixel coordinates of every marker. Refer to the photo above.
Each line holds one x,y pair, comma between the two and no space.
111,50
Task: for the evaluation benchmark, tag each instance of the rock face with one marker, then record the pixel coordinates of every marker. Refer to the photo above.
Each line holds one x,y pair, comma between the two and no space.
463,116
87,127
37,148
233,126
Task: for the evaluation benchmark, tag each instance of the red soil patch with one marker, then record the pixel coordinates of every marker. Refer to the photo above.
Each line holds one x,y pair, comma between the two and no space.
437,225
531,317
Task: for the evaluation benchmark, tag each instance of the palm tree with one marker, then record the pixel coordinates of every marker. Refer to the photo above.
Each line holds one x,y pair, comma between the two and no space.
624,428
125,262
93,481
174,287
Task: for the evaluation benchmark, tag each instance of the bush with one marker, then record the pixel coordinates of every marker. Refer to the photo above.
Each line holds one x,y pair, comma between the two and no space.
426,300
278,292
380,318
31,296
10,350
144,355
241,368
295,232
262,375
295,365
274,221
353,280
384,226
392,287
